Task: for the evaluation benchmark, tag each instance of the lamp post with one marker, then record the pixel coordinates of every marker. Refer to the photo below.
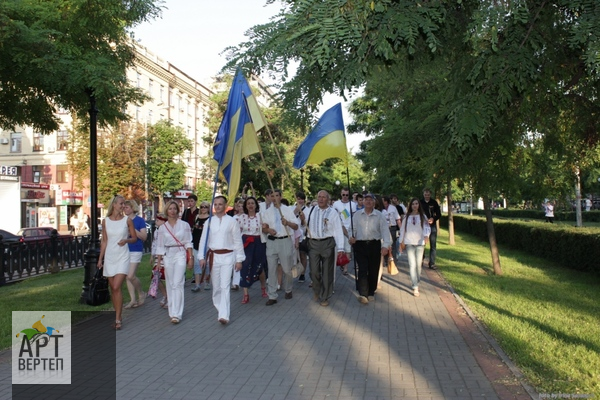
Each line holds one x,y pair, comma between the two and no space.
93,252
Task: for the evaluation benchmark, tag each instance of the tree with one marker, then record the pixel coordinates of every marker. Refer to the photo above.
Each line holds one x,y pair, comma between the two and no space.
510,64
120,148
167,144
52,51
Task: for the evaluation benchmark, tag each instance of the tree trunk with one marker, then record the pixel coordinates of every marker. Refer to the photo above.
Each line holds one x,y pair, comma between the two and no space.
578,197
451,240
492,236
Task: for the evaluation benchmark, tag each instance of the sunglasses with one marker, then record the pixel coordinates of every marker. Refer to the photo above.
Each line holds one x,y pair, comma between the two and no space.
203,206
345,195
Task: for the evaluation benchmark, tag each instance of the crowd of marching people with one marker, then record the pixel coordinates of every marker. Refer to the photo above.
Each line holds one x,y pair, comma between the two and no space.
269,241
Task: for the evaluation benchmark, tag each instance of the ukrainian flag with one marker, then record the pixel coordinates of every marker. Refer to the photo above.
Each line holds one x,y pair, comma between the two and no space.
326,140
237,137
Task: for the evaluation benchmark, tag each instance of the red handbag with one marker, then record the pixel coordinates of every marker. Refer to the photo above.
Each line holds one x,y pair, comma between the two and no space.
342,259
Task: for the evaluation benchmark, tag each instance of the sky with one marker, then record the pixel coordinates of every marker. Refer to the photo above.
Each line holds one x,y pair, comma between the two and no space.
192,33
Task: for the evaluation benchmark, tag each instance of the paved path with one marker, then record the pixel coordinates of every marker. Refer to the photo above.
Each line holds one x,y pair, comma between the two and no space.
398,347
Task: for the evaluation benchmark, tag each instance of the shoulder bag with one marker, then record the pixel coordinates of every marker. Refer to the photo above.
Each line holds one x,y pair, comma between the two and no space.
98,293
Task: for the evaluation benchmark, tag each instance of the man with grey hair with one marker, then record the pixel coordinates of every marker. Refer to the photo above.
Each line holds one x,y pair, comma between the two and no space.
325,234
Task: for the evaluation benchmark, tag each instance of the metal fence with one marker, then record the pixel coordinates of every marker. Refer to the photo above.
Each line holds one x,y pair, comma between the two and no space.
19,261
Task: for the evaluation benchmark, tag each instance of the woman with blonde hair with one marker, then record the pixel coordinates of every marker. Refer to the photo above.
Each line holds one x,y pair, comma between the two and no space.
117,231
136,250
174,246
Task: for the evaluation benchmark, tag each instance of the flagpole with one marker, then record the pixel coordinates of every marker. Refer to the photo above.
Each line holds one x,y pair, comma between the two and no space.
262,157
210,213
351,225
277,152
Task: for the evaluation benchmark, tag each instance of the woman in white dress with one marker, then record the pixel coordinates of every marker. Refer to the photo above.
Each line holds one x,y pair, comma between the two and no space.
117,231
174,245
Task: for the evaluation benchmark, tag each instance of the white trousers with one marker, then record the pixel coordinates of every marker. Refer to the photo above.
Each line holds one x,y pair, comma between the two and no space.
221,280
174,262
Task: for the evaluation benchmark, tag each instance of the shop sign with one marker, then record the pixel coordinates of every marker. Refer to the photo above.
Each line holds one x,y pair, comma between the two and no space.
72,198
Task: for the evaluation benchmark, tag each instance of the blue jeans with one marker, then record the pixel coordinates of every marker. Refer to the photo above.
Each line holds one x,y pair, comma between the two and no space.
415,262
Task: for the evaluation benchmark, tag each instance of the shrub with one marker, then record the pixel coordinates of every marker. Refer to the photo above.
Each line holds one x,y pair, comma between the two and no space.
574,248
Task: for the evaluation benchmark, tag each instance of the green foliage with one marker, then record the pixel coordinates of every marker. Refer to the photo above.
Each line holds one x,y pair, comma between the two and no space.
120,152
53,51
452,88
167,144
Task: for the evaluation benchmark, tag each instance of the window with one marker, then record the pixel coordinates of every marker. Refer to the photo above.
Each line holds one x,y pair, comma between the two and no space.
150,86
37,173
139,79
62,140
38,141
161,94
150,116
62,173
15,142
138,114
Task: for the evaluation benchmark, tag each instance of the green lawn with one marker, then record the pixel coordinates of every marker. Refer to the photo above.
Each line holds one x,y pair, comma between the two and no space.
57,292
546,318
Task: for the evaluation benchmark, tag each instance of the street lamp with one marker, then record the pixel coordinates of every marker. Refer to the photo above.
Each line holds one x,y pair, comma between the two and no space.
91,256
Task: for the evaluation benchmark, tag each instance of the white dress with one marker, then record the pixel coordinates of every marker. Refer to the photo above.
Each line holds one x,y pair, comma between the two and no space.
116,258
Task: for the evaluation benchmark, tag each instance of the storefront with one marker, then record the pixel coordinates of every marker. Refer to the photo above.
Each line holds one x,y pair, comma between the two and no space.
9,198
69,202
33,197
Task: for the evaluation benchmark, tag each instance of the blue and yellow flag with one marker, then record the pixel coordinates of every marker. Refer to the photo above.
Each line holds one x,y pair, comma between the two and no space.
326,140
237,137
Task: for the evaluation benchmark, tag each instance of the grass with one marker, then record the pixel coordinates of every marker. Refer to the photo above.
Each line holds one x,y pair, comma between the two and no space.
546,318
54,292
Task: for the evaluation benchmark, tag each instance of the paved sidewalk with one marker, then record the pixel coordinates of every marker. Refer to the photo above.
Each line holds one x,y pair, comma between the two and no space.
398,347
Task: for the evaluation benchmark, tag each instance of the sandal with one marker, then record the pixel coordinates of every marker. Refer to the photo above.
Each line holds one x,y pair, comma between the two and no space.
117,325
131,304
174,320
140,301
163,302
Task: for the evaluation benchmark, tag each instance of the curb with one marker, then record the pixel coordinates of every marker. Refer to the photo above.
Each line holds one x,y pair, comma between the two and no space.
514,370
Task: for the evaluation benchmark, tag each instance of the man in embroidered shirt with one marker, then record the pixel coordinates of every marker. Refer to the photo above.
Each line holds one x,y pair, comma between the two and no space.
371,240
225,249
325,235
279,223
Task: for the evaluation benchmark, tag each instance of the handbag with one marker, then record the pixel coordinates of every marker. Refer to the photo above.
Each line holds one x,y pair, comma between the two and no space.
392,269
153,290
342,259
98,293
297,268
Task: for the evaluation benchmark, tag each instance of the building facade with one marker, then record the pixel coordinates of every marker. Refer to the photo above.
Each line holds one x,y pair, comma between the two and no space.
36,187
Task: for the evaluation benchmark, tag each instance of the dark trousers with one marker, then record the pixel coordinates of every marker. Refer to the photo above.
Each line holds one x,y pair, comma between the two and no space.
368,258
321,256
432,244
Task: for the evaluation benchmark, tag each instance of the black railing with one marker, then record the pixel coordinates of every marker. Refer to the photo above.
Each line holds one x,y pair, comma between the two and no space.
19,260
